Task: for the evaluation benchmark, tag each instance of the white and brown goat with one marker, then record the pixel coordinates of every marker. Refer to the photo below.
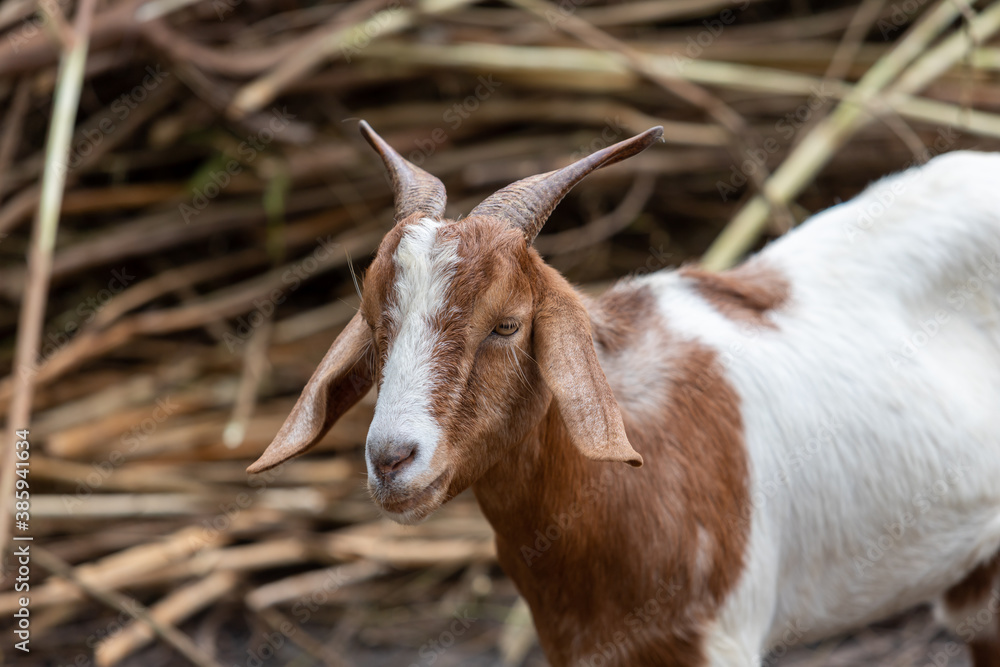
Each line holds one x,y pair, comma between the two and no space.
820,426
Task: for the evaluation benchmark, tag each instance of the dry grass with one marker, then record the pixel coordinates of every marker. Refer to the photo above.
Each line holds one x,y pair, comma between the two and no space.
185,306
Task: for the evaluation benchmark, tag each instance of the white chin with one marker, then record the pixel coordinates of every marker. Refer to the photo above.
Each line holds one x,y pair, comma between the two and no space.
408,518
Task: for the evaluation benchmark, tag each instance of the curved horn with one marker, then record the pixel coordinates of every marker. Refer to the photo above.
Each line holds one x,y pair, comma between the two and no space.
416,191
528,203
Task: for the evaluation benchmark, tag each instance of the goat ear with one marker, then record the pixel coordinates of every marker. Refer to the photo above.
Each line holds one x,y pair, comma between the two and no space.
341,380
565,353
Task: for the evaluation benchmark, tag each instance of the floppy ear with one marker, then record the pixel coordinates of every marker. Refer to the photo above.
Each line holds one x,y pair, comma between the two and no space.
341,379
565,353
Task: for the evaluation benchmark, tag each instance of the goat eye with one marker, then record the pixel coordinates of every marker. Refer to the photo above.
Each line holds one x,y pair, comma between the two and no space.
505,328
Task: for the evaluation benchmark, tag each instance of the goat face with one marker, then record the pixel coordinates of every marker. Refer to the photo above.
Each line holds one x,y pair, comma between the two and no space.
449,306
467,334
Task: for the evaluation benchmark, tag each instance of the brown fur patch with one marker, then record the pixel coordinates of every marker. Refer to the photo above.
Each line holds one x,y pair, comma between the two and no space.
608,556
480,400
746,293
619,315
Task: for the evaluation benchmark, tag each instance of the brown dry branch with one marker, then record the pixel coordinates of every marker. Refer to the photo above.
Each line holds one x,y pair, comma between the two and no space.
218,197
39,261
158,624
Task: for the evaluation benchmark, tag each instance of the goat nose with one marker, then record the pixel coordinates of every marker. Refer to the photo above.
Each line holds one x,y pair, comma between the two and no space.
389,462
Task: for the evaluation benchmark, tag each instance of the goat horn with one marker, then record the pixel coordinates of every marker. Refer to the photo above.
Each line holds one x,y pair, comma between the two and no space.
528,203
416,191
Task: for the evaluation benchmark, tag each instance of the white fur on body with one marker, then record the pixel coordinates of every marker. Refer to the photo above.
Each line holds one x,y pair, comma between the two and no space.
871,409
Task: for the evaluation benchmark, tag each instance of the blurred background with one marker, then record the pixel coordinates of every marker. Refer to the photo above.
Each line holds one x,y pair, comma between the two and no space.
218,195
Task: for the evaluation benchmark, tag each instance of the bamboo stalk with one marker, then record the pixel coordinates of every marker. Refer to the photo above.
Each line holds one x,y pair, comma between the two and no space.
43,240
119,569
232,301
743,138
342,34
319,651
125,605
11,137
560,65
106,506
801,166
302,585
172,610
254,368
557,88
19,208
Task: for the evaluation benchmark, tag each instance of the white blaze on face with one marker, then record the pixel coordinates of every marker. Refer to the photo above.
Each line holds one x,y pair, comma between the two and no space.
424,270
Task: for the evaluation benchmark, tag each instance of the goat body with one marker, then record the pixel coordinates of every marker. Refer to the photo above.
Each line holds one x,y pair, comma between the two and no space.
820,427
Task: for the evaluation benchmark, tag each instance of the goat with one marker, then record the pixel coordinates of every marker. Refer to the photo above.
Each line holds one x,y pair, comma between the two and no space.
820,426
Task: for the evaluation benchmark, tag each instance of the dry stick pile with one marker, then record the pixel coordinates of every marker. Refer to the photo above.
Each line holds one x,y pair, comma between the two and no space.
217,193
